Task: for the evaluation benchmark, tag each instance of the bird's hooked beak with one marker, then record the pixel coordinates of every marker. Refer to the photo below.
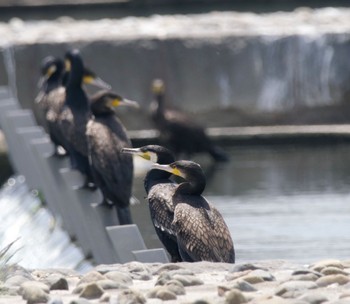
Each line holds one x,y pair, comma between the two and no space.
125,102
168,168
52,69
96,81
138,152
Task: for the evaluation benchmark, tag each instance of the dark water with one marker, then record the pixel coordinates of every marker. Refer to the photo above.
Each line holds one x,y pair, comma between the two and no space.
280,202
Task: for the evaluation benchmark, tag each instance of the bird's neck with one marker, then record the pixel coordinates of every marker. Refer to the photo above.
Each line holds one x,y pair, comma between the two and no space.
191,187
77,98
53,83
153,177
159,98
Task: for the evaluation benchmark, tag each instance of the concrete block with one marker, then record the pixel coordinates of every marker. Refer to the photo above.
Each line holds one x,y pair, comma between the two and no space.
126,239
31,169
10,122
4,92
55,189
157,255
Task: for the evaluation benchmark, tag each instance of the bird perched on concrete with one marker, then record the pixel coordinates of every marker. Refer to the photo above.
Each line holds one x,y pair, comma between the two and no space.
179,131
160,190
51,97
201,232
76,113
112,170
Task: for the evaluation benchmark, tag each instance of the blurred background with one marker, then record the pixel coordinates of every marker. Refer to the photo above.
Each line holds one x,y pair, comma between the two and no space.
227,63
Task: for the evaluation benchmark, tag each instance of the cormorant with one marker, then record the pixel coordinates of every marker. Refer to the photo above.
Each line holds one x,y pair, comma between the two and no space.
76,113
106,136
178,130
51,97
201,232
160,190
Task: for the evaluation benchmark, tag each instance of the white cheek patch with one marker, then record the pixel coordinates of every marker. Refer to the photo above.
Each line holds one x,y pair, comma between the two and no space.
153,157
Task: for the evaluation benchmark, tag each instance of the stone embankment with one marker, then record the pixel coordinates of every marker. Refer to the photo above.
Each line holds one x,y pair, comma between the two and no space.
267,282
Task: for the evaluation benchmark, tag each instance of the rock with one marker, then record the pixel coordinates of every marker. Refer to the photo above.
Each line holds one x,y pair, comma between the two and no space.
234,296
327,263
252,279
240,285
314,298
119,277
34,294
345,295
16,280
92,276
188,280
106,297
163,278
59,284
109,284
80,301
333,270
91,291
305,277
331,279
292,286
167,268
130,296
176,287
55,301
33,284
245,267
265,275
138,271
305,272
165,294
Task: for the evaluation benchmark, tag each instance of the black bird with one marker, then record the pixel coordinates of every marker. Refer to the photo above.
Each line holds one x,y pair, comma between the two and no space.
160,190
201,232
76,113
178,130
106,136
51,97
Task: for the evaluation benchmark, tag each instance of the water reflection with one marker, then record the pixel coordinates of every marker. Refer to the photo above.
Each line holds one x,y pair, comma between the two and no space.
281,202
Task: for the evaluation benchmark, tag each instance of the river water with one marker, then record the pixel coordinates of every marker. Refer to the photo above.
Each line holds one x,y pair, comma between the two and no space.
280,202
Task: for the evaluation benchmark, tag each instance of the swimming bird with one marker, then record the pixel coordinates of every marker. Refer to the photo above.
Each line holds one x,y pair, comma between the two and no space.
160,190
76,113
106,136
201,232
178,130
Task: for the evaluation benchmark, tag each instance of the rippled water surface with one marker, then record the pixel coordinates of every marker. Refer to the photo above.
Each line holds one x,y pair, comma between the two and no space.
280,202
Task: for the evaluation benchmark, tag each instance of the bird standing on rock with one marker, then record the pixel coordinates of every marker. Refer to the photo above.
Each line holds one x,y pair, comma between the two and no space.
201,232
106,136
179,131
76,113
160,190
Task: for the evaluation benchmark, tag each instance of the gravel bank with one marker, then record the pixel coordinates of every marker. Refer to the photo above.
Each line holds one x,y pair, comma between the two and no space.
276,281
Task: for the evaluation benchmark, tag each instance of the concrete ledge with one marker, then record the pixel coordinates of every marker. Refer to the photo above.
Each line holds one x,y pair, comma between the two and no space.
305,134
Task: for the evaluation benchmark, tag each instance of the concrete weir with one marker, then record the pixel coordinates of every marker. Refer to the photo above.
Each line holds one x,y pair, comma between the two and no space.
257,62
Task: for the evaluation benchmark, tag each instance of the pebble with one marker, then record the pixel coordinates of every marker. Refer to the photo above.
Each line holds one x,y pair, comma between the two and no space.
281,282
119,277
327,263
235,296
292,286
314,298
331,279
91,291
130,296
34,294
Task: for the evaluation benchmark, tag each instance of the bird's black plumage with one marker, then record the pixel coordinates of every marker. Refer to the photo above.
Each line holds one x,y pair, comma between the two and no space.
51,98
178,130
201,232
75,115
106,136
160,190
